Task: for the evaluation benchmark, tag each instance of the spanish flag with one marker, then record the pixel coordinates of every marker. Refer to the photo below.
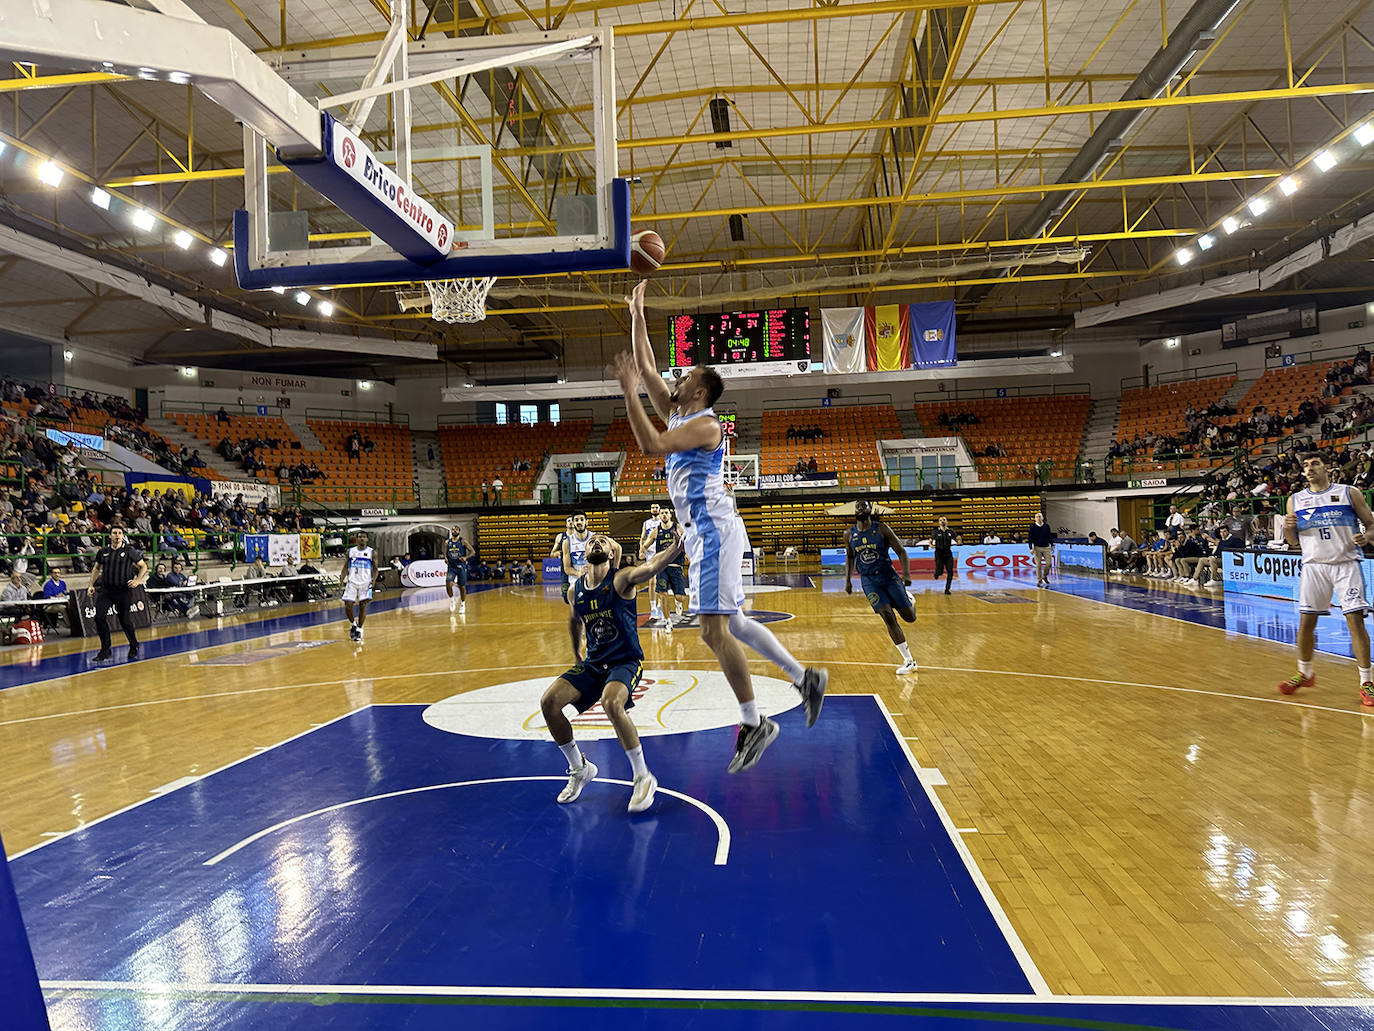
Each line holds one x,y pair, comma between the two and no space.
887,331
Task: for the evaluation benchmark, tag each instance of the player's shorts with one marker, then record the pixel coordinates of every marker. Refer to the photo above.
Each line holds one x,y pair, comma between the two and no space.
1319,579
591,678
672,580
715,581
885,593
357,592
457,573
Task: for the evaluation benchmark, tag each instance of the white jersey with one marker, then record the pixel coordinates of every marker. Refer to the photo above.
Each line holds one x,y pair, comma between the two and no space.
1327,525
712,531
577,549
362,563
648,536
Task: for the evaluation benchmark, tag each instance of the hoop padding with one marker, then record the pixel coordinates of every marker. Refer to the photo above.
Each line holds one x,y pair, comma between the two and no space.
467,266
458,300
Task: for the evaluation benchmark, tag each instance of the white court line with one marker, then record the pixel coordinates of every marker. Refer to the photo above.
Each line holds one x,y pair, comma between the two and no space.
149,798
722,828
691,995
967,830
1037,981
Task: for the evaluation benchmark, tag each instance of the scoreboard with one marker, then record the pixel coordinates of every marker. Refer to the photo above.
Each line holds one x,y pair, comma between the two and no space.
740,342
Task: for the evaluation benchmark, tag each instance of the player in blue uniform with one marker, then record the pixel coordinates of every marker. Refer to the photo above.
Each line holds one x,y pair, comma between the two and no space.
672,580
604,602
868,544
456,552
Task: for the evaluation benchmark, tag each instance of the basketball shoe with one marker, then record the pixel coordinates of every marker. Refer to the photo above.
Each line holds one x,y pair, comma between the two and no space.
577,780
1367,694
643,794
909,667
354,634
750,743
812,690
1296,681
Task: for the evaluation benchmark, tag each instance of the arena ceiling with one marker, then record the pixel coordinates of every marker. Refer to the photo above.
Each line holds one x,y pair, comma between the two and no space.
1029,159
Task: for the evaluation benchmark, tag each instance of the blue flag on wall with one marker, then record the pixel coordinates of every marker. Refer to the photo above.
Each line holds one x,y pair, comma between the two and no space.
932,335
254,546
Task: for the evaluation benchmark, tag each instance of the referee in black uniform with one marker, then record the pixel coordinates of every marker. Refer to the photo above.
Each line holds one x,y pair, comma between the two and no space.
119,568
945,539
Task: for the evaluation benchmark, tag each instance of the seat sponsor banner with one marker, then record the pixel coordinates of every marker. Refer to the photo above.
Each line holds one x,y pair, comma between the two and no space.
932,335
425,572
187,486
1080,556
553,571
252,491
1273,574
799,480
81,613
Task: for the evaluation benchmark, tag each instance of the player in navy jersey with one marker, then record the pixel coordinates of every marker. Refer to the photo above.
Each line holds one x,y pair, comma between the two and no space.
714,535
604,601
867,549
672,582
456,553
1324,520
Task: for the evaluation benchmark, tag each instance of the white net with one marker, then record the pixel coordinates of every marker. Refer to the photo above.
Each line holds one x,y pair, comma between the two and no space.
458,300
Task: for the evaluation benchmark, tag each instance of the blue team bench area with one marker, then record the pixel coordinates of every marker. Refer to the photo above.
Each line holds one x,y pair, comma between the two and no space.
380,873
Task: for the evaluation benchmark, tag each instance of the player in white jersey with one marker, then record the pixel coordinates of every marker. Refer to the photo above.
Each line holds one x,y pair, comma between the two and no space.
359,574
575,543
1323,520
648,541
712,530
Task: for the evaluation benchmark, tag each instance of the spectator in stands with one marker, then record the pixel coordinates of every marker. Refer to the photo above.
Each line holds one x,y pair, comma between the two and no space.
991,538
354,446
15,589
54,586
485,500
369,445
1175,520
179,602
221,415
800,468
431,456
496,487
1122,551
811,466
159,577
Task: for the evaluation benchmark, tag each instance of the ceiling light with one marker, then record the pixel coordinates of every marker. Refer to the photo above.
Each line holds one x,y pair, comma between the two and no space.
1056,353
100,198
1183,255
364,384
1325,161
279,289
562,379
1230,225
1206,241
219,256
1258,206
143,219
67,355
1289,186
189,371
1171,342
326,308
182,239
302,298
49,174
1364,134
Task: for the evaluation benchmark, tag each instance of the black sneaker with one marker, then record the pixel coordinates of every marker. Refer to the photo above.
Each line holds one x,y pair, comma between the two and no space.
102,656
750,743
133,652
812,690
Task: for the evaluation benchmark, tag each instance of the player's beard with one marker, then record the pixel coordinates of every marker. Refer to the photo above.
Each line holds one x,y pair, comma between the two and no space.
596,557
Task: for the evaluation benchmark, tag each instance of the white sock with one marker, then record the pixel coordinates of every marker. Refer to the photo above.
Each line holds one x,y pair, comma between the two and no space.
758,638
1305,668
636,756
905,651
749,713
1366,675
677,607
573,754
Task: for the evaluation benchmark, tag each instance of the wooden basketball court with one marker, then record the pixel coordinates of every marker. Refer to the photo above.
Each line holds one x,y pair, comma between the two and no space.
1150,817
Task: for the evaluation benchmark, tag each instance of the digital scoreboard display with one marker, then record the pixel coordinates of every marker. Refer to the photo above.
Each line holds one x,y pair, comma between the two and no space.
739,338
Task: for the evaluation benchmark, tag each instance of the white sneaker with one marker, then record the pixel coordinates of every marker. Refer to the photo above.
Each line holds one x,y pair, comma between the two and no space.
463,609
667,626
452,604
910,599
643,794
360,635
910,667
577,780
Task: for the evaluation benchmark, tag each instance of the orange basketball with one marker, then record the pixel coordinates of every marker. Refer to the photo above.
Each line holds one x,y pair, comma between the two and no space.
646,252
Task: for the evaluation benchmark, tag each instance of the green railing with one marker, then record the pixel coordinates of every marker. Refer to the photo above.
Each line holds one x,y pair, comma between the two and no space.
51,549
211,407
388,417
982,393
1180,376
1323,354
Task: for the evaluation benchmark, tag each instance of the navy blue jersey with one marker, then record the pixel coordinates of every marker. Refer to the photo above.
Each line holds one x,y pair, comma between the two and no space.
456,551
664,540
611,621
871,554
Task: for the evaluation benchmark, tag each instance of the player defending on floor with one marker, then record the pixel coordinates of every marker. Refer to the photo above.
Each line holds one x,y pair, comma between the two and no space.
456,552
868,544
360,574
714,534
575,543
1322,519
604,601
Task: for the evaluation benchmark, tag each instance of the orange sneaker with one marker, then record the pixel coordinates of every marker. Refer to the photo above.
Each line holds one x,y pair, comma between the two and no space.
1367,694
1296,681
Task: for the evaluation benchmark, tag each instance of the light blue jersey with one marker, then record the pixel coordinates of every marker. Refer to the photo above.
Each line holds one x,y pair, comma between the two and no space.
1327,524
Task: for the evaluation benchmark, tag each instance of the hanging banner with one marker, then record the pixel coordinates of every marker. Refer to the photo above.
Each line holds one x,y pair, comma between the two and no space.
283,548
310,546
254,547
253,491
932,335
887,334
843,330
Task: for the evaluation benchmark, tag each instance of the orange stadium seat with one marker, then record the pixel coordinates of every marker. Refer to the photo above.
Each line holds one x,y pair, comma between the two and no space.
473,453
637,474
848,448
1027,428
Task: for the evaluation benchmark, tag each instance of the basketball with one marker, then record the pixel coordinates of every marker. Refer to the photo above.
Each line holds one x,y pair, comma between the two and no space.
646,252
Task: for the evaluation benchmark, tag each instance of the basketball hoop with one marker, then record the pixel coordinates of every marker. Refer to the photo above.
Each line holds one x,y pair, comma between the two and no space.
458,300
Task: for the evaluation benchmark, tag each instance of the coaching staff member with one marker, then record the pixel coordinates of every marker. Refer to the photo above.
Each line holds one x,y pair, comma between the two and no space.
1041,541
119,568
944,539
